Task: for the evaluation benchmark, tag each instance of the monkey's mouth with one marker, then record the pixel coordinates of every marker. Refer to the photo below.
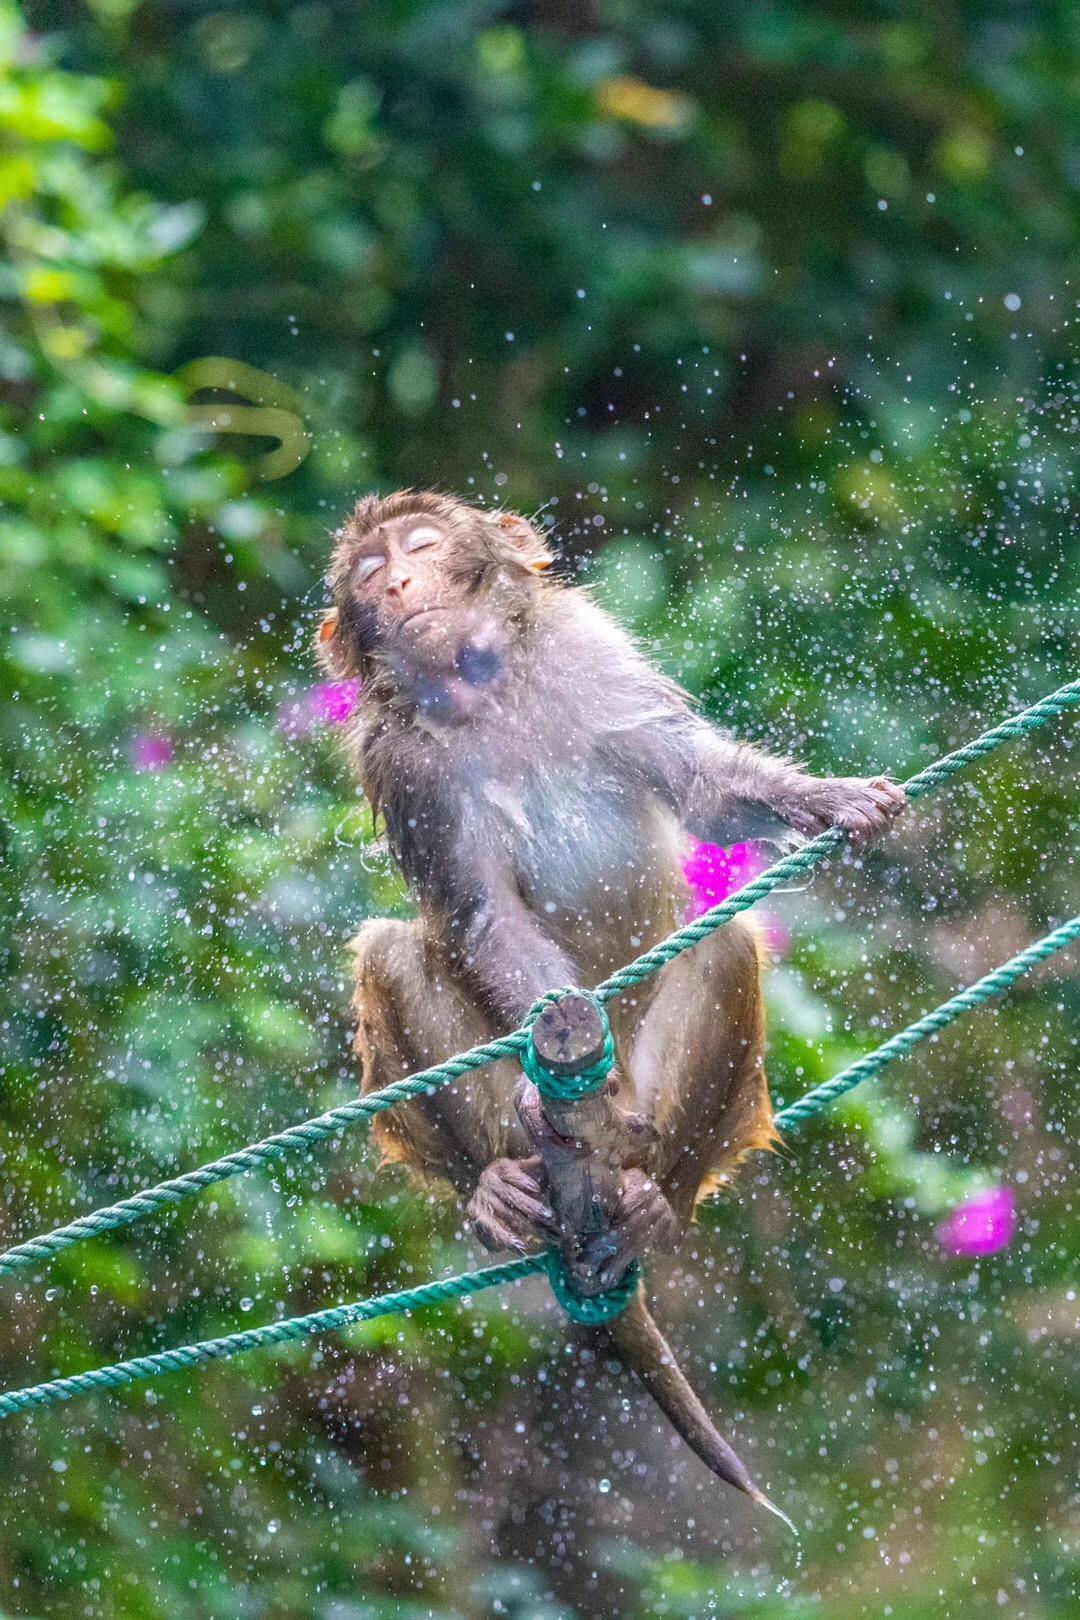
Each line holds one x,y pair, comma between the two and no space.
452,670
418,613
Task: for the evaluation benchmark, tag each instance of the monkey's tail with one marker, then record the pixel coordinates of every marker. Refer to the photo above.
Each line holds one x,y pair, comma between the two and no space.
642,1348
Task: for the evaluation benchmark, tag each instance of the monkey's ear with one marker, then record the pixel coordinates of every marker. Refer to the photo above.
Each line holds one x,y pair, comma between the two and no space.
330,650
523,542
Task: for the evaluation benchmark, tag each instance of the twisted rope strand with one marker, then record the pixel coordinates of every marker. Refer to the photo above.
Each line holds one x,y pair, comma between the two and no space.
293,1140
285,1332
310,1132
931,1023
549,1262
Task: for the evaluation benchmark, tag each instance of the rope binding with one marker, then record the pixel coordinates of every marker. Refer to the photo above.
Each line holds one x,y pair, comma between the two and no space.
591,1310
559,1074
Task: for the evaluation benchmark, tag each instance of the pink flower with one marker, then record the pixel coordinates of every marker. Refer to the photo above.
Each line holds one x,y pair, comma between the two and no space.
714,873
335,701
985,1224
149,751
328,703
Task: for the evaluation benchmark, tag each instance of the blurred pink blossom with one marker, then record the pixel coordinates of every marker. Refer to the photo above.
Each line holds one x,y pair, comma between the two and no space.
150,751
985,1224
714,873
327,703
336,700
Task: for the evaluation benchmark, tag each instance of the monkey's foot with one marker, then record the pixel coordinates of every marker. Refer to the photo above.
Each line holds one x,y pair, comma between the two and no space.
861,807
643,1221
509,1209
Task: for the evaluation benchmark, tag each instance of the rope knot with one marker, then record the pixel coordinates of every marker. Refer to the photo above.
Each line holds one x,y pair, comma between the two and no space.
584,1081
591,1310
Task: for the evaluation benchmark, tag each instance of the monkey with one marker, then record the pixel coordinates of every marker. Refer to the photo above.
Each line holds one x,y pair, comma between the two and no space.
538,779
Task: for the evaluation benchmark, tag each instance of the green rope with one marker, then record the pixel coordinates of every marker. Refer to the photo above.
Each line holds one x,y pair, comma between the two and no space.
550,1263
811,854
300,1137
284,1332
293,1140
931,1023
592,1310
566,1087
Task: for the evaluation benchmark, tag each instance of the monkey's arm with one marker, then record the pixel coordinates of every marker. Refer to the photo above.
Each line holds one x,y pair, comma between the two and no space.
504,960
502,948
723,790
509,961
454,864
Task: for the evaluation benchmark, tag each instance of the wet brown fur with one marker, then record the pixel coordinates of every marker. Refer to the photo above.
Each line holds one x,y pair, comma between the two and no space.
580,710
542,838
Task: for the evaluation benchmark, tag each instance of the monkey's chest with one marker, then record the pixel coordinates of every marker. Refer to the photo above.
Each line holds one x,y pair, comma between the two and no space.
591,858
562,839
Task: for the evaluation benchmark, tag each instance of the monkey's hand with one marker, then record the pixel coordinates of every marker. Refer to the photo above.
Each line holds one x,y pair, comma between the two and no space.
643,1221
509,1209
860,806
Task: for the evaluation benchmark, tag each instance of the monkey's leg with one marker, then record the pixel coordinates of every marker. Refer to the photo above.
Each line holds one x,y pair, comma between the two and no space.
412,1013
697,1064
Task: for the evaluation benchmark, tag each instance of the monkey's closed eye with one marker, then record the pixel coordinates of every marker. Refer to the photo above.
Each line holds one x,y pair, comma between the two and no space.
417,539
368,566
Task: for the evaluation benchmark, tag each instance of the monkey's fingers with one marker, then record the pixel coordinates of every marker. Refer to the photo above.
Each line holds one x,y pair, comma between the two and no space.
889,796
538,1128
501,1227
523,1175
494,1234
872,806
643,1129
861,807
644,1222
508,1211
498,1238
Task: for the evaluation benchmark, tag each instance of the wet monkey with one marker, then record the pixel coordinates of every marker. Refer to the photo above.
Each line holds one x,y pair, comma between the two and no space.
538,778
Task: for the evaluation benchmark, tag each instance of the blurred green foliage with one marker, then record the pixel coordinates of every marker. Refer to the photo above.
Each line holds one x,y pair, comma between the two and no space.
770,309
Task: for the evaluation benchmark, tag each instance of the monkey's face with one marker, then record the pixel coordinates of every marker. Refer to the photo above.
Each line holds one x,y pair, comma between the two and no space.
424,596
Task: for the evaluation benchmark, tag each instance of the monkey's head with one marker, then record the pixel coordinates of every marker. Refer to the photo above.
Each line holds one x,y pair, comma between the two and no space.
429,597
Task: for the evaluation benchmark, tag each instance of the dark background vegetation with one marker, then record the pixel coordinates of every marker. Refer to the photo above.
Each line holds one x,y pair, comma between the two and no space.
771,308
